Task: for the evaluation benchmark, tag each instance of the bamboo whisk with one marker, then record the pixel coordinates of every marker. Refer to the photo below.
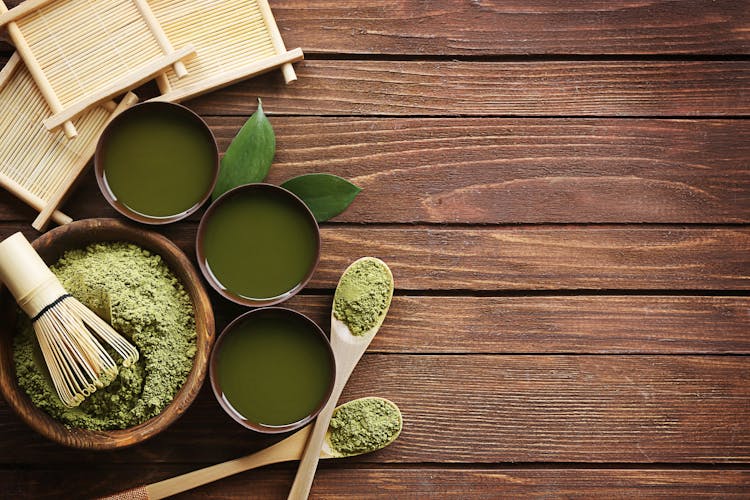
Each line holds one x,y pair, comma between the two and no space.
65,328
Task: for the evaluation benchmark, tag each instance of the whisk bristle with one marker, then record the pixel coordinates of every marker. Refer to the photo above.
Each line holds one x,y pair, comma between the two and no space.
77,362
104,331
68,332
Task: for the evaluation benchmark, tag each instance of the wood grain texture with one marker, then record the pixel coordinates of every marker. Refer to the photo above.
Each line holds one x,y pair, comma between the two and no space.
436,110
490,409
486,28
467,483
337,481
446,88
527,258
492,170
523,171
516,27
559,258
616,325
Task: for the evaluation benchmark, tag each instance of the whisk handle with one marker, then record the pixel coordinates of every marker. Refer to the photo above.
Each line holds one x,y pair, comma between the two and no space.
26,275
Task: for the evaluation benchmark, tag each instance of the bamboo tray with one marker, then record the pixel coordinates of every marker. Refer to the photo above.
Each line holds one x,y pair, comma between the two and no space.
84,52
234,40
36,165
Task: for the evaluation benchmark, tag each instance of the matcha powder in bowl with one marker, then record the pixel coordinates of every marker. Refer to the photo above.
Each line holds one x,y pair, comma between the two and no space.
144,301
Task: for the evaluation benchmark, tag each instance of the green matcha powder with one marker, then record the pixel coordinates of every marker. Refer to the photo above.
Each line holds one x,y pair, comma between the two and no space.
134,290
363,425
363,294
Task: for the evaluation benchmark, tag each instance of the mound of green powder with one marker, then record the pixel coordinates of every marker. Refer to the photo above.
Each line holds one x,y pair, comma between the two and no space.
148,306
363,425
363,294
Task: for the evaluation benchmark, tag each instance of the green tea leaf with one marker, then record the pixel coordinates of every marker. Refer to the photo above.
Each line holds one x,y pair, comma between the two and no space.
249,156
327,195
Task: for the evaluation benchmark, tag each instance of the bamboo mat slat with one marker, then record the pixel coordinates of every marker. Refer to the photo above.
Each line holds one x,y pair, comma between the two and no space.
234,40
37,165
83,52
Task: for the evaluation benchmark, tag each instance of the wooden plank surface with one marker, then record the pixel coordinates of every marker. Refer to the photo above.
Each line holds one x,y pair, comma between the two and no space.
544,341
491,409
575,324
471,170
517,27
487,28
557,258
523,171
532,88
335,482
528,258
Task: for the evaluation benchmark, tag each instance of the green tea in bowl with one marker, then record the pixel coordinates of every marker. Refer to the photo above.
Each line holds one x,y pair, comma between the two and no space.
157,162
258,244
272,370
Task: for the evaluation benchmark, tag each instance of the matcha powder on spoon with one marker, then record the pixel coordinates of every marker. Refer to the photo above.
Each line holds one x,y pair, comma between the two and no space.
363,294
364,425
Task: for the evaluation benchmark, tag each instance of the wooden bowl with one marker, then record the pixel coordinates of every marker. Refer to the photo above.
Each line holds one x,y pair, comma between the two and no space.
79,234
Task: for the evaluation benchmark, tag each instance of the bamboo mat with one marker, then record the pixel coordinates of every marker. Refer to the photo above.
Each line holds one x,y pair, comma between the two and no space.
234,40
36,165
83,52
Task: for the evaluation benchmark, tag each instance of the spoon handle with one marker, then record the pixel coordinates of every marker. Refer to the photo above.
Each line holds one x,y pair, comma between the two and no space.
288,449
309,462
347,355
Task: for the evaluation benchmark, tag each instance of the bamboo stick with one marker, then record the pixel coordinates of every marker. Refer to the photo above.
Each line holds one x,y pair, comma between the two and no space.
230,77
161,38
129,81
9,69
164,43
31,199
36,72
110,106
43,218
286,69
21,10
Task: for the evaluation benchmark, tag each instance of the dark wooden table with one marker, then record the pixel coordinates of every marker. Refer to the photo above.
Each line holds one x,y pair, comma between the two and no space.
562,189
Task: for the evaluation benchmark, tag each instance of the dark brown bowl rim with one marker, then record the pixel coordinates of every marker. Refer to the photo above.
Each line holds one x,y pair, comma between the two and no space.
201,257
56,431
99,167
215,386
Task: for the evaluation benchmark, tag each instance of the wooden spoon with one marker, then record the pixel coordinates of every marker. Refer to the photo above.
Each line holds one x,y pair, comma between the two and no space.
290,448
348,349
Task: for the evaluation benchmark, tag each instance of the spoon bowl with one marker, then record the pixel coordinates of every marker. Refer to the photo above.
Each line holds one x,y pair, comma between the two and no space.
328,451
